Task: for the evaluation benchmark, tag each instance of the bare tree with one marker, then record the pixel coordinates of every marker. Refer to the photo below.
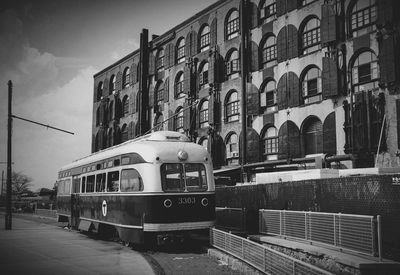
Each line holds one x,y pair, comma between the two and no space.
20,183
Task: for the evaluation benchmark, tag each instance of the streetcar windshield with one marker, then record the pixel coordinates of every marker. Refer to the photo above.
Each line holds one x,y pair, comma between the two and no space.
187,177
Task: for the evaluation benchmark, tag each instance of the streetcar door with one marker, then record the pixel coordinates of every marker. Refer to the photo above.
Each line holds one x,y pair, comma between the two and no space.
75,209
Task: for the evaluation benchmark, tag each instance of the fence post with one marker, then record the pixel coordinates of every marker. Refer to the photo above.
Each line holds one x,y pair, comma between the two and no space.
260,223
305,225
379,238
334,230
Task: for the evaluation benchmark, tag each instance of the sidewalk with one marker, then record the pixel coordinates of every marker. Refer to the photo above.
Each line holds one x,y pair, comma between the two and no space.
37,248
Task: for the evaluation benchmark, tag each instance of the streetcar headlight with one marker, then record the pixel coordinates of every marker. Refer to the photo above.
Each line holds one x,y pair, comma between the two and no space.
167,203
204,201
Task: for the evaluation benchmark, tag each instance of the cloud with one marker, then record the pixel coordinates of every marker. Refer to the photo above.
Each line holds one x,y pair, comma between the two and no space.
123,48
39,95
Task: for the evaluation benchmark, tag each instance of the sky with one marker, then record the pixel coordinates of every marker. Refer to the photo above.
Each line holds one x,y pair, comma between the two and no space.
50,50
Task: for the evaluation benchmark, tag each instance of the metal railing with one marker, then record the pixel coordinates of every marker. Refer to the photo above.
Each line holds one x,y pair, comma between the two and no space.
231,219
46,213
260,257
356,233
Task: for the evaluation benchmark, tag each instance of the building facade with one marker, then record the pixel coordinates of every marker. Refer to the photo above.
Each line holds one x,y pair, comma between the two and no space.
314,83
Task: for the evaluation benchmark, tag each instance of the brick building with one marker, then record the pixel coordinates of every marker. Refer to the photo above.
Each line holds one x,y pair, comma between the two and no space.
310,80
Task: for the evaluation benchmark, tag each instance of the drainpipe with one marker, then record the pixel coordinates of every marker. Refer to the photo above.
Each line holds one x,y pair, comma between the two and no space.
244,32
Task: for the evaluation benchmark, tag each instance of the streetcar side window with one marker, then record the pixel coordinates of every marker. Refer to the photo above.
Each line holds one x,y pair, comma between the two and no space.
101,182
113,181
90,184
131,181
75,184
60,187
83,190
67,187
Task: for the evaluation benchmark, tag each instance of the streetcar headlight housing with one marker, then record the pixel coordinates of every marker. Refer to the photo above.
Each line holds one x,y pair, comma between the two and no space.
204,201
167,203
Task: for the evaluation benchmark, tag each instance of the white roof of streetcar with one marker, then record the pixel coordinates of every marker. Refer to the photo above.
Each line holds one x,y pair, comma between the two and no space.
162,144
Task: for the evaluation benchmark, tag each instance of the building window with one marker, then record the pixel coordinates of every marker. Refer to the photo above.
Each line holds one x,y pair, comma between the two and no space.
125,105
311,36
179,85
160,60
268,97
365,72
269,52
312,85
159,125
124,133
203,114
126,77
205,39
179,120
232,107
270,143
268,11
180,50
232,149
232,65
363,17
99,91
232,25
159,94
312,136
112,84
203,75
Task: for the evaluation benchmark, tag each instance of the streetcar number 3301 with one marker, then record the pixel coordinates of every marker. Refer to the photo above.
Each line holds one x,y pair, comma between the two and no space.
187,200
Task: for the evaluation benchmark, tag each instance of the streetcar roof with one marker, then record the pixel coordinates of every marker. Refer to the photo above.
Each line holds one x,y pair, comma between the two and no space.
163,145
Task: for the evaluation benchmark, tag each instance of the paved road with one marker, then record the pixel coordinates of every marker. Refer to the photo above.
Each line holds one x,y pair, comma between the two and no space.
33,247
42,246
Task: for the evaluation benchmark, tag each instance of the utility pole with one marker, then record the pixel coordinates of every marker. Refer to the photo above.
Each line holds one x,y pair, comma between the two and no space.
8,221
8,217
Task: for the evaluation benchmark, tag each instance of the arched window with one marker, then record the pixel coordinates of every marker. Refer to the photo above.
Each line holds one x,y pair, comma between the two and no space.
204,38
310,35
179,85
365,72
312,136
112,84
267,10
311,83
203,75
159,94
160,60
268,96
124,133
99,91
180,50
232,25
179,120
232,149
270,143
98,116
232,64
268,54
125,105
111,111
110,137
362,17
158,122
203,114
126,78
232,107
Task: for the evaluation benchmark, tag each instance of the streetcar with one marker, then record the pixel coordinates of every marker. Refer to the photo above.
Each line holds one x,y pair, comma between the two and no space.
158,187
